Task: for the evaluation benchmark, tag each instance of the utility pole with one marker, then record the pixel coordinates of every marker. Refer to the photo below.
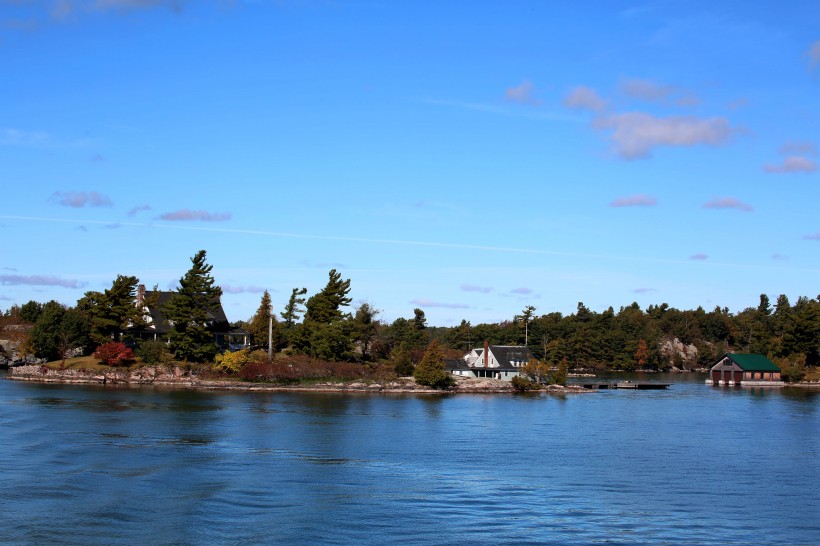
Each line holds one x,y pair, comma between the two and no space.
270,332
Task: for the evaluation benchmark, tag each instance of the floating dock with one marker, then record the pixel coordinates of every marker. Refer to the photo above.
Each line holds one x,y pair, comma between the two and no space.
626,385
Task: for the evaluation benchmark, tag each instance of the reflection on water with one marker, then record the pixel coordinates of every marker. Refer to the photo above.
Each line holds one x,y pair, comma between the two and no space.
625,467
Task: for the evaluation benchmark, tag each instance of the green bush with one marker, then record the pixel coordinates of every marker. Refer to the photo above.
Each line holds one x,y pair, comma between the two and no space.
522,384
152,352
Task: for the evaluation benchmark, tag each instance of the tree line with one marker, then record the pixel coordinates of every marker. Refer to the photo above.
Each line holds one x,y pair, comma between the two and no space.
325,326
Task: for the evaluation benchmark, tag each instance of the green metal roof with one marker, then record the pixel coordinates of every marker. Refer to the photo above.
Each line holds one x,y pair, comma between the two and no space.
753,362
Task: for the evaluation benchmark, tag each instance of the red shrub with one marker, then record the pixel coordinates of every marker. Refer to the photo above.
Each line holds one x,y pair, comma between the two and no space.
295,368
114,353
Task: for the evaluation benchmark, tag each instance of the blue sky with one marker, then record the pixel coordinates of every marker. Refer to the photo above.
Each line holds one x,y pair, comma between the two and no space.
468,158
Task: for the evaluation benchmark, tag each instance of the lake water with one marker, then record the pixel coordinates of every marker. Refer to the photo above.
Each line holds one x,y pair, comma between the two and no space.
691,465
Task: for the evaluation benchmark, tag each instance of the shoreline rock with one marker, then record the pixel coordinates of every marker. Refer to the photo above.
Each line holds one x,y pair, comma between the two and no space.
175,378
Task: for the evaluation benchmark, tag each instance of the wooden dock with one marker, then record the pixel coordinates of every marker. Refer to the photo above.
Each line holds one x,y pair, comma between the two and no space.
626,385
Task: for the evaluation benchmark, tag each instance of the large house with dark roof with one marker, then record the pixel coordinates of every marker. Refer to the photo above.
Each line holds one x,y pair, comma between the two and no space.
493,361
157,325
747,370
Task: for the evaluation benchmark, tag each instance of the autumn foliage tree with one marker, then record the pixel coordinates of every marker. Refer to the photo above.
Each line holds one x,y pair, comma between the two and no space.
114,353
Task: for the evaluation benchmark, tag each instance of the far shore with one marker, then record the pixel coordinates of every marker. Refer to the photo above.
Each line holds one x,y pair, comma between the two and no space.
177,378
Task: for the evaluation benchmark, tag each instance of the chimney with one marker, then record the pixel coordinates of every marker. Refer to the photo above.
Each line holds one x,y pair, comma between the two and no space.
486,353
141,295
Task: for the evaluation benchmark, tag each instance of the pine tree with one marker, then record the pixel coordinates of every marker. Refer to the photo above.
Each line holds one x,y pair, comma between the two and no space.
325,307
113,311
189,311
430,371
293,309
260,323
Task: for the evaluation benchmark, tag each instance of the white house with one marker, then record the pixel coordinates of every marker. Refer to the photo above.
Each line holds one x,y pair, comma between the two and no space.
493,361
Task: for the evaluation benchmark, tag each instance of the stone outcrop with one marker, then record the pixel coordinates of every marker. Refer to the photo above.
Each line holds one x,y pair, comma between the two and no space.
175,377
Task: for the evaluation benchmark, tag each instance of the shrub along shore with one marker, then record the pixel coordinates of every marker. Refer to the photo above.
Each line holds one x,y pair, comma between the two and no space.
180,378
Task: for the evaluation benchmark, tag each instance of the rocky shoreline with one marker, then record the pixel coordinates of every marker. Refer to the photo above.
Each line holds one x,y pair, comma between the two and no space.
177,378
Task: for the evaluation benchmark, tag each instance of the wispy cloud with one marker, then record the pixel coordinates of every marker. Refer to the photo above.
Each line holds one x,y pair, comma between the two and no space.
801,147
18,137
230,289
584,98
80,199
522,291
474,288
792,164
779,257
699,257
813,236
40,280
639,200
644,290
634,135
324,265
813,55
424,302
185,215
138,209
727,203
524,93
648,90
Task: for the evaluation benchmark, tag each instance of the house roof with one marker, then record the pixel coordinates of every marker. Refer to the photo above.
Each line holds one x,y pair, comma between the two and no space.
505,355
216,315
453,364
753,362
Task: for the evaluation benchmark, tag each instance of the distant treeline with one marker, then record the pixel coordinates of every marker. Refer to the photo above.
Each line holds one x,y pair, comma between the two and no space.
323,326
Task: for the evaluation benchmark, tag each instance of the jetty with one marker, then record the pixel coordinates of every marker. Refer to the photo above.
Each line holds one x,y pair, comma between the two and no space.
644,386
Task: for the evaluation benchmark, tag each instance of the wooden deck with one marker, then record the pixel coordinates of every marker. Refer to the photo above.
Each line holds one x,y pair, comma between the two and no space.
626,385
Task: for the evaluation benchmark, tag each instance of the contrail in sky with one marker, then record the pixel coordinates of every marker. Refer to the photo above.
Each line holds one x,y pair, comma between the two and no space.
464,246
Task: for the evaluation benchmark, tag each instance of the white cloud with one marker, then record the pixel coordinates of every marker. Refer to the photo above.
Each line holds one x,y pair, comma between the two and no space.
40,280
17,137
185,215
229,289
699,257
79,199
474,288
813,236
644,290
635,134
585,98
522,94
138,208
524,291
727,203
792,164
799,147
634,201
813,55
648,90
424,302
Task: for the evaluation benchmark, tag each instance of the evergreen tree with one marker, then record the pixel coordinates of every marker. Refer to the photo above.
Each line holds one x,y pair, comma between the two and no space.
189,311
111,312
325,307
366,327
260,324
293,310
325,333
430,371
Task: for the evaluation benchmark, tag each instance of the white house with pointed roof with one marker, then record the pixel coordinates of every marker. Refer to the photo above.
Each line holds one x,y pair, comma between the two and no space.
492,361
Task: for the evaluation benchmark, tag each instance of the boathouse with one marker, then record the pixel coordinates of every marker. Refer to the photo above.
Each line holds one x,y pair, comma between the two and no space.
748,370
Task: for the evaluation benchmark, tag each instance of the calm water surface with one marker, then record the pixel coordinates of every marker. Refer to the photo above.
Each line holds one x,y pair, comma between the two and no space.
691,465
